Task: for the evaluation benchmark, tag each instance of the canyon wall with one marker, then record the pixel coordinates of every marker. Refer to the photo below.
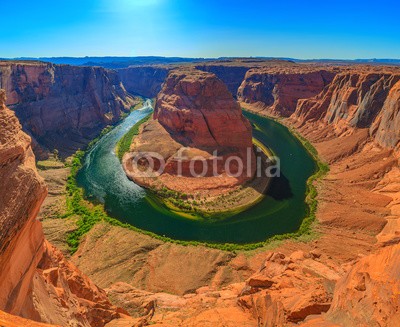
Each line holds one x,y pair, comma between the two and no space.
346,97
147,80
21,194
36,281
63,107
231,75
143,80
364,98
277,89
354,124
334,280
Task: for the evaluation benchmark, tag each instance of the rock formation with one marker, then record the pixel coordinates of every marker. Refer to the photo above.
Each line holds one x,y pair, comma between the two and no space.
288,289
196,109
36,281
7,320
277,89
196,115
22,192
231,75
366,97
386,127
61,106
341,278
369,294
353,122
58,285
143,80
147,80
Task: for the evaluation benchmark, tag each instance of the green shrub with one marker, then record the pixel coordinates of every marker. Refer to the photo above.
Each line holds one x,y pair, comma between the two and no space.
125,142
89,214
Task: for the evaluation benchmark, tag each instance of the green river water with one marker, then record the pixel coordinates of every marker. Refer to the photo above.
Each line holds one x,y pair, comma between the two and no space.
281,211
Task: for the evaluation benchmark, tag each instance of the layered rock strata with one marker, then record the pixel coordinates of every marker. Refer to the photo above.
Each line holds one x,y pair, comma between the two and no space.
364,98
143,80
36,281
22,192
352,124
277,89
195,120
231,75
340,278
63,107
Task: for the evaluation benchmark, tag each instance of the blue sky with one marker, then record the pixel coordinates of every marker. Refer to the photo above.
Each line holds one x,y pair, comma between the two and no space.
202,28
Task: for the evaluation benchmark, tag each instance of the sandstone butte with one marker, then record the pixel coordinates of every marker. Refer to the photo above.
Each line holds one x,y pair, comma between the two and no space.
195,120
348,276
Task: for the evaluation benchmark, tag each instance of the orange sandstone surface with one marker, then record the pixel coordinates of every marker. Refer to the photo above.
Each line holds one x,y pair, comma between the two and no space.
351,124
195,117
36,281
329,281
347,276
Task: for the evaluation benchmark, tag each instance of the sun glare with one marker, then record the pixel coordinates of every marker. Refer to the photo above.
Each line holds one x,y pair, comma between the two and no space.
137,3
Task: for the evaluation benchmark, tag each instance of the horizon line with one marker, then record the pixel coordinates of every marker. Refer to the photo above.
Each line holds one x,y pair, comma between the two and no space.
196,58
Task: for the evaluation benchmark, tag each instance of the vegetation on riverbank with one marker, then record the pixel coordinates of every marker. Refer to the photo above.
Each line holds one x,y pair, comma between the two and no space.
139,104
125,142
200,206
90,214
49,164
306,230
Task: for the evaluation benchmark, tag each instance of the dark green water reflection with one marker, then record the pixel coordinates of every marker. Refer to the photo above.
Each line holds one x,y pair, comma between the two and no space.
281,211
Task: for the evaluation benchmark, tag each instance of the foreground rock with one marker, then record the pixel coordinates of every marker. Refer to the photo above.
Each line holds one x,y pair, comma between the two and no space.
206,307
36,281
21,194
196,130
7,320
63,107
288,289
369,294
